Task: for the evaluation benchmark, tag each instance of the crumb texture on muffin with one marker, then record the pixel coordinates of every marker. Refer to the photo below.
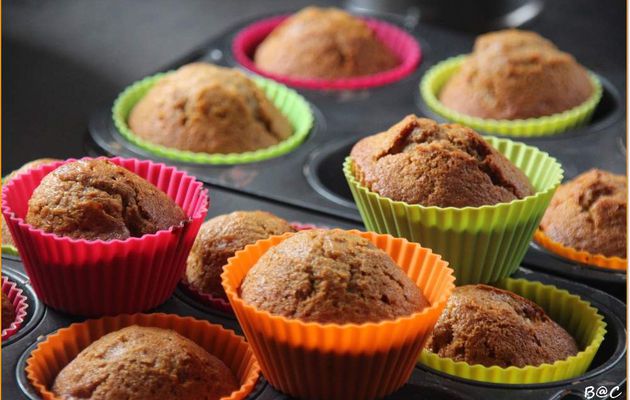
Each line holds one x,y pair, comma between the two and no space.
8,312
97,199
489,326
330,276
515,74
140,363
419,161
7,239
209,109
589,213
325,43
222,236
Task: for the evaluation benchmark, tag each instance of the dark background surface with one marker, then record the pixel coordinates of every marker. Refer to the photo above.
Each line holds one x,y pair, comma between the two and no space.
64,58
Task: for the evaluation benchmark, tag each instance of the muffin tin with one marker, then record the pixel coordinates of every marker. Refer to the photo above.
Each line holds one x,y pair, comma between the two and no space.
311,176
307,185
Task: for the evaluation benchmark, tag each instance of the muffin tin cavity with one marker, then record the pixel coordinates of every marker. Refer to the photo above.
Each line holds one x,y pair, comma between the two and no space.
324,171
35,309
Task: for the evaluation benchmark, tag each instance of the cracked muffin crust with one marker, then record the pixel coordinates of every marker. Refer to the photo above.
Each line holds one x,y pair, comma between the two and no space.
222,236
330,276
140,363
419,161
325,43
7,239
208,109
489,326
97,199
589,213
514,74
8,312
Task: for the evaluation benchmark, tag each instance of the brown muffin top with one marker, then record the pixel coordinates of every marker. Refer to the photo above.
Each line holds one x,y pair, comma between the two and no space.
141,363
8,312
220,237
209,109
419,161
515,74
6,233
331,276
589,213
97,199
323,43
490,326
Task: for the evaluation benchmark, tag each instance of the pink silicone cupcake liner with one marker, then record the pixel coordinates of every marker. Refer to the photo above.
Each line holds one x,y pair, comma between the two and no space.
20,304
94,278
219,303
402,44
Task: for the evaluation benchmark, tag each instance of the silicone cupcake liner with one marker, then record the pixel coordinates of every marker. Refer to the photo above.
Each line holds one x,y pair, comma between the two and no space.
402,44
434,80
482,244
580,256
94,278
20,304
577,316
61,347
10,250
219,303
332,361
290,103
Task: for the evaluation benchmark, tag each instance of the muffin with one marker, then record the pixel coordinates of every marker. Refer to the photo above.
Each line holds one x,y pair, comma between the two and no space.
7,239
219,238
490,326
515,74
144,363
97,199
330,276
323,43
8,312
589,213
419,161
209,109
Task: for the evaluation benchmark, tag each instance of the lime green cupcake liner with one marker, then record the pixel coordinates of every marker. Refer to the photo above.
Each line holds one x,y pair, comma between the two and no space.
435,79
482,244
575,315
289,102
7,249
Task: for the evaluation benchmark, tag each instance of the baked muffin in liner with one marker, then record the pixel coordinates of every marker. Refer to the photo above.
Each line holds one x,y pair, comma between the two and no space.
436,77
401,43
349,361
219,303
94,278
62,346
577,316
482,244
20,305
580,256
293,106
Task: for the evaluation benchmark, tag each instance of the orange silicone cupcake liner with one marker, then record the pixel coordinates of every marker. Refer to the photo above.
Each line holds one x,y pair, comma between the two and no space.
580,256
332,361
61,347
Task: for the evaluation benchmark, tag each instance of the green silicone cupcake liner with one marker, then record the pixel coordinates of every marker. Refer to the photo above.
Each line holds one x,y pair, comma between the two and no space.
482,244
575,315
437,76
10,250
289,102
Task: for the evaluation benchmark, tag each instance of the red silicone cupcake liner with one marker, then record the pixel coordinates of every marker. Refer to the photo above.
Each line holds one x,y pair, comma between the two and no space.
219,303
402,44
94,278
20,304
